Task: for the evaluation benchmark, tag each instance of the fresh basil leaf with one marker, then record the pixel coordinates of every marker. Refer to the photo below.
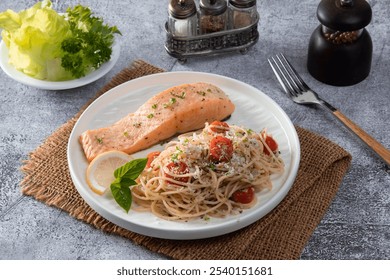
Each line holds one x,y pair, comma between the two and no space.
122,195
125,177
127,182
132,169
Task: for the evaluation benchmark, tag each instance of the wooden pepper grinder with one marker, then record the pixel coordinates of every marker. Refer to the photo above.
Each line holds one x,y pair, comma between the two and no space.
340,49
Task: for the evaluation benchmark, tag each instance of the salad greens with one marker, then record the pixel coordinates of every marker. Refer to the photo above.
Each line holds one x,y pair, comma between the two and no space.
125,177
50,46
90,43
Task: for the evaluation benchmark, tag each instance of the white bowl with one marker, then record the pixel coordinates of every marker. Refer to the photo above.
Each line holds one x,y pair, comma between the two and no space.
61,85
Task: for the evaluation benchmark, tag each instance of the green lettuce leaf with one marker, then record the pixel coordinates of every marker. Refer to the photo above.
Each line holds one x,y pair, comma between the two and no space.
33,38
50,46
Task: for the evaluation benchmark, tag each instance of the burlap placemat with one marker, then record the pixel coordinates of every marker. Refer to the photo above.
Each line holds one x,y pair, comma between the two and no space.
282,234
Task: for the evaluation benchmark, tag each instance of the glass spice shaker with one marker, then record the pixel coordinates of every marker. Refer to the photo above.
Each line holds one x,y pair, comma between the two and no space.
182,18
340,48
212,16
242,13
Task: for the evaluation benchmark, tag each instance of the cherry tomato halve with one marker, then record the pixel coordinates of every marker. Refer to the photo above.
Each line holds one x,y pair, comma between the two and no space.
221,149
179,168
244,196
219,127
151,156
271,143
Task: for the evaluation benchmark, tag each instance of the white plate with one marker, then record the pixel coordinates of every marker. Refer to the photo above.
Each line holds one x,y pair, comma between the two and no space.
29,81
254,110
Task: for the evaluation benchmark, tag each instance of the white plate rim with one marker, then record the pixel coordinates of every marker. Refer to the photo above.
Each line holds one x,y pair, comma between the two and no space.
60,85
176,230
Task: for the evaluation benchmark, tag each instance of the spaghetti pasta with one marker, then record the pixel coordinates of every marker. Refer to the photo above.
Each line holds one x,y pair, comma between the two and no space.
214,172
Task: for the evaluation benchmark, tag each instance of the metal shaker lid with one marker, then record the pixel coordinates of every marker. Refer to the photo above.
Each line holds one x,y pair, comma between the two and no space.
182,9
213,7
243,3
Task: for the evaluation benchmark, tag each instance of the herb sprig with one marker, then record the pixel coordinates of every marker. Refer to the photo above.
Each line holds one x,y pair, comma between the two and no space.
125,177
90,44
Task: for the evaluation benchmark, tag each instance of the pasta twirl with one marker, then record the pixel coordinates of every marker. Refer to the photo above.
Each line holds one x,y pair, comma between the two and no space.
214,172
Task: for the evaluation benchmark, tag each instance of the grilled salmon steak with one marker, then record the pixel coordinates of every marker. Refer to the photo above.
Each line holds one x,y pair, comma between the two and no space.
176,110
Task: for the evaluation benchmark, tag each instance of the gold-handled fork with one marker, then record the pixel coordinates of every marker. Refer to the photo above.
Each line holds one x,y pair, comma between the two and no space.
299,92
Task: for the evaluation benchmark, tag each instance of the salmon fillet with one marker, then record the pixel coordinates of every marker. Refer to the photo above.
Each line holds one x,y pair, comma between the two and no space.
176,110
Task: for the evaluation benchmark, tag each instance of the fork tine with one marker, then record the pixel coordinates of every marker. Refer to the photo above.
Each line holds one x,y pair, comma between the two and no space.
294,82
280,75
277,75
294,74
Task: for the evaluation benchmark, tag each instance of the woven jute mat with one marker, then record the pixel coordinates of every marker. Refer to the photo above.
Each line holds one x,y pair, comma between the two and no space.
282,234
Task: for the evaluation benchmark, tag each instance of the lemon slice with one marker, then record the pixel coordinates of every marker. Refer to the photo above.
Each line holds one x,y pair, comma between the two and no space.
100,171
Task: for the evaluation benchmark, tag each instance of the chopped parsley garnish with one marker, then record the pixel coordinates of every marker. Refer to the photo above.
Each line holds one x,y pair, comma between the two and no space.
175,155
171,102
150,116
212,166
99,140
182,96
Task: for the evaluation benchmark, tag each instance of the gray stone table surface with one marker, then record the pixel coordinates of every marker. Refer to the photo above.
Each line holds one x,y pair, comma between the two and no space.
357,223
